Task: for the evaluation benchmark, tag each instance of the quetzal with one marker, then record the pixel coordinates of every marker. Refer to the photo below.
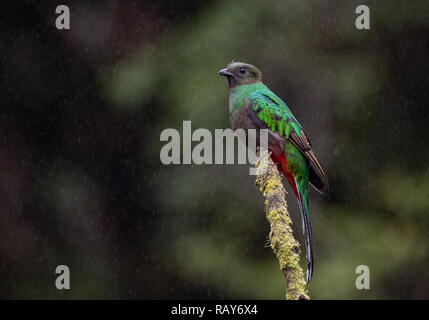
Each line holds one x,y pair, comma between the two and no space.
253,106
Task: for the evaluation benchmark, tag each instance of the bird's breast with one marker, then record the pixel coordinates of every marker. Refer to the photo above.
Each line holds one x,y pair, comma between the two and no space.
240,119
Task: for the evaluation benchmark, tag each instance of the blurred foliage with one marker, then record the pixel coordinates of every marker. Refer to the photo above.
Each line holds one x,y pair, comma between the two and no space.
81,182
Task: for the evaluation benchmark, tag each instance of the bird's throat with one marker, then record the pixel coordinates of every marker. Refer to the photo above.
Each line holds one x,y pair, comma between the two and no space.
232,83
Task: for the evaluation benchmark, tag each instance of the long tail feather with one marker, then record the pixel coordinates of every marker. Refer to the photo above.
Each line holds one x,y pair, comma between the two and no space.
306,229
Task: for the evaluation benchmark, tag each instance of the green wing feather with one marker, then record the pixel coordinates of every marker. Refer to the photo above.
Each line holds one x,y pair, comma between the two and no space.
274,113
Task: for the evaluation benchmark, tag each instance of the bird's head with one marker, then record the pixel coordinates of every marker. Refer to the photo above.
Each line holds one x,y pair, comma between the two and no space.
238,73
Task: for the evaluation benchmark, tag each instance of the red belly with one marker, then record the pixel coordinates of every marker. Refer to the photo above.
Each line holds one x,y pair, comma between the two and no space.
281,162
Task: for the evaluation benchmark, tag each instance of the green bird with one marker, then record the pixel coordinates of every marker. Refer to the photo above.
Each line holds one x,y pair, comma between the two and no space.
253,106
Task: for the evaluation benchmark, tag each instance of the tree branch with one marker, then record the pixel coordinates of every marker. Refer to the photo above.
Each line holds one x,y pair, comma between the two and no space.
284,245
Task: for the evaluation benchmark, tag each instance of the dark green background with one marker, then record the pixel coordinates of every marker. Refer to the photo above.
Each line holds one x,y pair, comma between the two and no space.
81,181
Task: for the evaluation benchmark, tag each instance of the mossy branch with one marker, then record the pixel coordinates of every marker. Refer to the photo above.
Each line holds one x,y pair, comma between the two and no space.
284,245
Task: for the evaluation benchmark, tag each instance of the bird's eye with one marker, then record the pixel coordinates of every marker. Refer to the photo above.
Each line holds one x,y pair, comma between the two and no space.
243,70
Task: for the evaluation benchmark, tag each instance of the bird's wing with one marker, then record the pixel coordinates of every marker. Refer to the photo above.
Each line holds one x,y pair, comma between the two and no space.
268,111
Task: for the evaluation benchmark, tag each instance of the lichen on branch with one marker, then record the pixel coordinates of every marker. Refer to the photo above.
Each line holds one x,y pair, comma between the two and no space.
284,245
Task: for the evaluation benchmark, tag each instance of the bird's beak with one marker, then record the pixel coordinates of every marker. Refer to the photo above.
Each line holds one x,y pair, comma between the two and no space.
225,72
